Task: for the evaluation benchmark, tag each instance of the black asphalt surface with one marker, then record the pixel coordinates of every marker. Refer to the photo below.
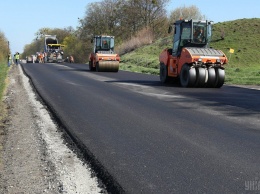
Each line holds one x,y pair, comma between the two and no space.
154,138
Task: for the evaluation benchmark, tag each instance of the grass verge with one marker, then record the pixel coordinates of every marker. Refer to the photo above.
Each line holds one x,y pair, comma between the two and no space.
3,111
3,83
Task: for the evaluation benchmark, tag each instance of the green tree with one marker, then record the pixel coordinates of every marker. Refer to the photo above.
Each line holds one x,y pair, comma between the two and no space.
75,47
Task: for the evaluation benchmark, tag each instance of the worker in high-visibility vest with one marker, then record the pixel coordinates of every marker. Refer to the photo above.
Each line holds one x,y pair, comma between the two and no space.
9,59
17,57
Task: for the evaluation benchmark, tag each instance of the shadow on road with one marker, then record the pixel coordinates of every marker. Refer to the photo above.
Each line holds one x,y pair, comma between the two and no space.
146,83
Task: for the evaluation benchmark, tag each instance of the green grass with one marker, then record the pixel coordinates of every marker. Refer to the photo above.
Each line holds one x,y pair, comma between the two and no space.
243,75
241,35
3,111
145,59
3,76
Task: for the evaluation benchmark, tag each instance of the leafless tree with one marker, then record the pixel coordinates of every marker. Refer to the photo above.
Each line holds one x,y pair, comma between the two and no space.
123,18
190,12
4,48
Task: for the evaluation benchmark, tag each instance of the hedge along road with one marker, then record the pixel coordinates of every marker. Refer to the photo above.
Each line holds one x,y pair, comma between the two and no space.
144,137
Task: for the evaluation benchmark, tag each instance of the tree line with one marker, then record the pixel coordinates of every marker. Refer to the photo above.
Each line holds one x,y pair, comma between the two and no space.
124,19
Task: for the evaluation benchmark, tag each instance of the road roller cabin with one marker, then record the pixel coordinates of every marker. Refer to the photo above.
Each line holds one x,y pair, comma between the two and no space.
191,62
103,57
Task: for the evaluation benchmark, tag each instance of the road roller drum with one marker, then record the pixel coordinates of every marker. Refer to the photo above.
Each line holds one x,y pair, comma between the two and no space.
108,66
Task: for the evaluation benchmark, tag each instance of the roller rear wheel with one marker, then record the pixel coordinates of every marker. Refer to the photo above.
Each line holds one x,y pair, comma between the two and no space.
164,78
211,78
201,77
187,76
220,77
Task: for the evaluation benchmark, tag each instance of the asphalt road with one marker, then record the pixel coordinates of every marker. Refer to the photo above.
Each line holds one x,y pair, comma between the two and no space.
154,138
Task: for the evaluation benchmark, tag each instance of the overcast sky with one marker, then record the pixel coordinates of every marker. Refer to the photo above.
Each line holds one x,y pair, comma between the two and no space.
21,19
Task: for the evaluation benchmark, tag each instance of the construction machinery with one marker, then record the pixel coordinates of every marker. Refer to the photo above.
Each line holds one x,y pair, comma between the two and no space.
103,57
53,51
29,59
191,61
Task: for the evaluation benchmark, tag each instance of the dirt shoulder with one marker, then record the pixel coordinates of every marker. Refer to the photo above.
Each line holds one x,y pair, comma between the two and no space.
34,158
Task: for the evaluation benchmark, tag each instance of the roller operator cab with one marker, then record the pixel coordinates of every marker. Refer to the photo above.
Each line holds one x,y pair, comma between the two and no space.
191,61
103,57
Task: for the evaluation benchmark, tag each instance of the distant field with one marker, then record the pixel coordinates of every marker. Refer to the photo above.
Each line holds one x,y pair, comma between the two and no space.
241,35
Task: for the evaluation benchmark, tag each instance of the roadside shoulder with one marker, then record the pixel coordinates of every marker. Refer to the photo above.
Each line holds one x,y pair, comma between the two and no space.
35,158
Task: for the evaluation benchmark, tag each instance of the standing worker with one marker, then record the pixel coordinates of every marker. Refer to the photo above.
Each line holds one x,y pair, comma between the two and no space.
17,56
9,59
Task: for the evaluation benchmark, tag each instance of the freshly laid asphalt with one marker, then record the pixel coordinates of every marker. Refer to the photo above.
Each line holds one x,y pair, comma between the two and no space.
154,138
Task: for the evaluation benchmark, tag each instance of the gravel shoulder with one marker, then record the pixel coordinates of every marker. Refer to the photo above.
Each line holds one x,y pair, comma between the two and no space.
34,156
